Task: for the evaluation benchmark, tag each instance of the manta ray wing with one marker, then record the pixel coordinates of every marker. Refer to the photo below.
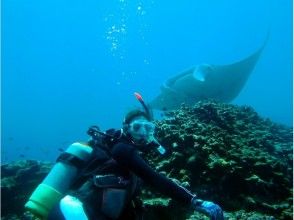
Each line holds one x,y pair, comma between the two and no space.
222,83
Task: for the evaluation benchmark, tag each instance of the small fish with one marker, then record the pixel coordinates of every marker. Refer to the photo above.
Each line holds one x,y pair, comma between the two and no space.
22,155
61,149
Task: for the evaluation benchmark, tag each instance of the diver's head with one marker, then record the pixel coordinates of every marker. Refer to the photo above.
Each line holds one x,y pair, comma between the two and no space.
138,126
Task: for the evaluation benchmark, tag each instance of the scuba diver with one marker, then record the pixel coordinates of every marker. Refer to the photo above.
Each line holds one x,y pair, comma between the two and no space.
100,179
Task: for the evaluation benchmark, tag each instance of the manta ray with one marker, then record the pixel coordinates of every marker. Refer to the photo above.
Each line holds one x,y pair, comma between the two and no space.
205,81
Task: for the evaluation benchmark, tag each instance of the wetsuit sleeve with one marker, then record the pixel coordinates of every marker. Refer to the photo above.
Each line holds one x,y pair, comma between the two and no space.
127,156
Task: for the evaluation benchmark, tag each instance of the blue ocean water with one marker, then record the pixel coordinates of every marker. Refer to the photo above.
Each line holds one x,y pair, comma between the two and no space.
70,64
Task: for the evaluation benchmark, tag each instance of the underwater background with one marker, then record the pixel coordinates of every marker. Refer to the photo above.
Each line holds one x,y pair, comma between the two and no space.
67,65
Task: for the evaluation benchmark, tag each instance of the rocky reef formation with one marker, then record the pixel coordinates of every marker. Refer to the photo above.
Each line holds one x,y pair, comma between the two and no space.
224,153
230,155
18,181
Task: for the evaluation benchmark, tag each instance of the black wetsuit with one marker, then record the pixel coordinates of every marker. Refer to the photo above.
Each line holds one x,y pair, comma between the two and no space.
125,161
128,157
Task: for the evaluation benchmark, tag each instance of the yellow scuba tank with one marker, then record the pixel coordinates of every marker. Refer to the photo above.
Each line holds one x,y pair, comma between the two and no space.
59,179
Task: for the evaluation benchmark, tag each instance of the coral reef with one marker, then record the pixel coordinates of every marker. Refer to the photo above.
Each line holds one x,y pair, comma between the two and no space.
18,180
224,153
230,155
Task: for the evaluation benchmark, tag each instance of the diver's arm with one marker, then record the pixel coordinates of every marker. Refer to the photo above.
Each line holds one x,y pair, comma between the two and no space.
127,156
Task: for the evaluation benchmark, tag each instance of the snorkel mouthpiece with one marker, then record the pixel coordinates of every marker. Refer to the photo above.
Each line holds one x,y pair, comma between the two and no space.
160,148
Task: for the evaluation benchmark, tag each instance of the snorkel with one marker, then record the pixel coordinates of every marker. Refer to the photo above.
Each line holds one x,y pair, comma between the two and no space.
148,113
146,109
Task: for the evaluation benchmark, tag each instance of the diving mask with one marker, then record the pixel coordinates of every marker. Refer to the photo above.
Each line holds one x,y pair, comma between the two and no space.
142,131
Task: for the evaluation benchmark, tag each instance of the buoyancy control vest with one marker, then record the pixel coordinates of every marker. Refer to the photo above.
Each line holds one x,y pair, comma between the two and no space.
104,186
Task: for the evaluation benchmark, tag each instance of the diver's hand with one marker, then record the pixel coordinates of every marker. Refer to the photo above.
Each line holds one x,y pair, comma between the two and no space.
208,208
